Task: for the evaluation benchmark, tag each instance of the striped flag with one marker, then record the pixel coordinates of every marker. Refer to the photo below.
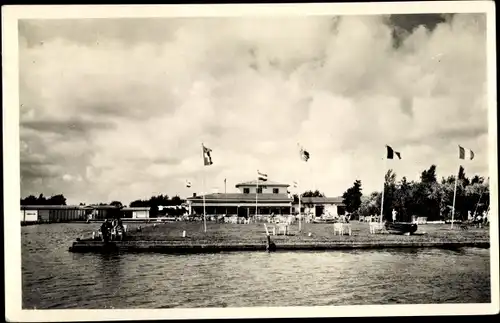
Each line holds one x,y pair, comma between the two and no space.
207,158
304,154
295,184
188,183
462,152
391,152
261,176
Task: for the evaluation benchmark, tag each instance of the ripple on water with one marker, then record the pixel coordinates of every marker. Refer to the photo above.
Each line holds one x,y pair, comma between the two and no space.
55,278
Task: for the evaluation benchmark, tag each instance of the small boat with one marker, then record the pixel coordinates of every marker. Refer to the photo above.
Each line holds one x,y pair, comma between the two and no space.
401,227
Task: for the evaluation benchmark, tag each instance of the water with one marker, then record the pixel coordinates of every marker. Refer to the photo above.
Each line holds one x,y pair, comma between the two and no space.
55,278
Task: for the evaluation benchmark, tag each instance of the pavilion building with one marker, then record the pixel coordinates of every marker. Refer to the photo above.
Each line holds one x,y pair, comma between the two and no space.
255,197
261,198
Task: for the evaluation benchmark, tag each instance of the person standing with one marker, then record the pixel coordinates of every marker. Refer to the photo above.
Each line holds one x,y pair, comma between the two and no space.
105,230
394,215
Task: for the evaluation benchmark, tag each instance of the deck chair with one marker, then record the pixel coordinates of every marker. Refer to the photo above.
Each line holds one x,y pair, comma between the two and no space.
282,227
338,227
376,227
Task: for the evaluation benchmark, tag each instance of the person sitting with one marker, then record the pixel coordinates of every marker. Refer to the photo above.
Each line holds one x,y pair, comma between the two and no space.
119,230
106,230
479,221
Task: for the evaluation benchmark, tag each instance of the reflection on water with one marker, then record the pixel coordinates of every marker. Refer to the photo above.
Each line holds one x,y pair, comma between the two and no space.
55,278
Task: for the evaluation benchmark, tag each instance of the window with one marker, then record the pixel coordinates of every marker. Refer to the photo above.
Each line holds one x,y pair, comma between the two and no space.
276,190
259,190
246,190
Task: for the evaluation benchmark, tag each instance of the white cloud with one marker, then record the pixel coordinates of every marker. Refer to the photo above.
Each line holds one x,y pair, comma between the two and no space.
127,118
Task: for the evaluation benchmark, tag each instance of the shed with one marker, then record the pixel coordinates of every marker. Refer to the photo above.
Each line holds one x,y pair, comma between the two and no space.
136,212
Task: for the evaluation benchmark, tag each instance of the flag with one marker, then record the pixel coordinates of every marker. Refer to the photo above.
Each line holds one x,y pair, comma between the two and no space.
188,183
207,158
261,176
295,184
391,152
304,154
462,152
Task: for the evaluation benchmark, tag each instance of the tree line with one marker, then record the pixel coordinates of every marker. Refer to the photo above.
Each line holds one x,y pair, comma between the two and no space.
59,199
427,197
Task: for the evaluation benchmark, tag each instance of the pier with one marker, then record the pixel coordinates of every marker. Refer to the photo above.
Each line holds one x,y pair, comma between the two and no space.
171,238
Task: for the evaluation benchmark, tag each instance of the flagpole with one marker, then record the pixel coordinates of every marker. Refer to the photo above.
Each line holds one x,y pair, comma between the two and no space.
204,191
300,208
454,198
383,190
256,196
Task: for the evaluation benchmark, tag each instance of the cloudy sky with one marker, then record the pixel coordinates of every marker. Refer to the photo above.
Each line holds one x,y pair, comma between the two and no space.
117,109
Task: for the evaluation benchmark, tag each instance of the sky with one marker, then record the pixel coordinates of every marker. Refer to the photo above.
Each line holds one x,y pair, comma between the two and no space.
117,109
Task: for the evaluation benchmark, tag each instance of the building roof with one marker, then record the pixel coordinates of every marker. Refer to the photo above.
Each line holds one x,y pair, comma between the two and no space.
322,200
103,207
52,207
242,197
261,183
138,208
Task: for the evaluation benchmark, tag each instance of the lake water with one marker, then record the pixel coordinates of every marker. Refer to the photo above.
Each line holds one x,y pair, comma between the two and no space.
56,278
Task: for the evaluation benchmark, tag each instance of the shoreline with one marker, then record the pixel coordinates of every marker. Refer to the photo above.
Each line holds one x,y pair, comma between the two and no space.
171,247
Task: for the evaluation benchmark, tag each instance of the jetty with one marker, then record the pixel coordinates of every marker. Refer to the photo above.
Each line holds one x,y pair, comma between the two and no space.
171,238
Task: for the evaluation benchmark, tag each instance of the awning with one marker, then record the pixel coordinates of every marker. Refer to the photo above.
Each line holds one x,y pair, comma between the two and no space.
197,204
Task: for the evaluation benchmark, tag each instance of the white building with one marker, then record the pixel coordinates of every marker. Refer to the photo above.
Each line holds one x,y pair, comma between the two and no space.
136,212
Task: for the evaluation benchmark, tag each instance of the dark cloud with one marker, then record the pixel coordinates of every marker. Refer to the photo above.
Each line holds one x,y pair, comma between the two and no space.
67,127
443,136
170,160
404,25
92,32
33,170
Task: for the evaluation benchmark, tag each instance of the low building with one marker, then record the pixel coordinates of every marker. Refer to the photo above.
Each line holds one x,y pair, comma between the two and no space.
136,212
263,198
321,206
255,197
52,213
101,212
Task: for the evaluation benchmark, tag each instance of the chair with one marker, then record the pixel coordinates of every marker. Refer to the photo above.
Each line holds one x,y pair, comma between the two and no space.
338,227
346,227
282,227
376,227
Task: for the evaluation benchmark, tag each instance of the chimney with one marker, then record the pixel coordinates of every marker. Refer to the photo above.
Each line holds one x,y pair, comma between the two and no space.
194,194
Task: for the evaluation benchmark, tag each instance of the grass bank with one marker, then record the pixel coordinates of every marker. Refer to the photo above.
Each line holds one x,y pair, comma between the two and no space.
167,237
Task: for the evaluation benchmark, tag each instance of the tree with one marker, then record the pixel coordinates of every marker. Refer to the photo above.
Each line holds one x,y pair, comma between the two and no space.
389,193
42,200
139,203
371,205
153,211
117,204
429,176
176,200
316,193
30,200
462,177
428,197
402,202
352,197
477,180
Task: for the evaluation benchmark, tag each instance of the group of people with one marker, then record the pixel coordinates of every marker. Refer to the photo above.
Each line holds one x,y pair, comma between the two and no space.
479,219
113,229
